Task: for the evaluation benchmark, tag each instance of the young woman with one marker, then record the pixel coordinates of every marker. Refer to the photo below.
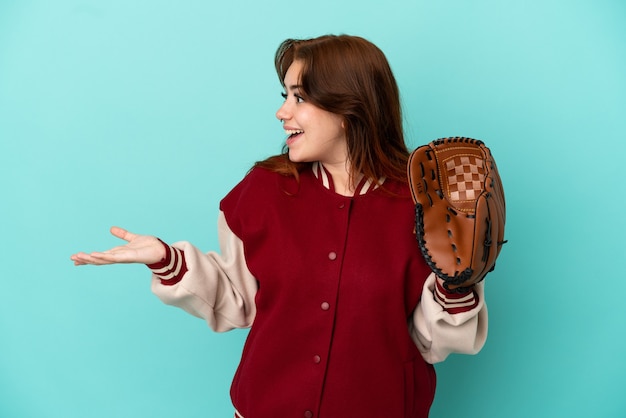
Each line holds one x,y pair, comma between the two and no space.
317,255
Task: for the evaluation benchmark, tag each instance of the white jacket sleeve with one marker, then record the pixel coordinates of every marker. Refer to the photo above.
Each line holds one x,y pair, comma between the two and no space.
443,323
218,288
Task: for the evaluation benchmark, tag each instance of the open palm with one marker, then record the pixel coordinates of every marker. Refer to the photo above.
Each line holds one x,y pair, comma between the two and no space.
144,249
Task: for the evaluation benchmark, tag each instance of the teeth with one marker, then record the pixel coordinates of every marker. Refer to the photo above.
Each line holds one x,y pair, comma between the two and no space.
293,131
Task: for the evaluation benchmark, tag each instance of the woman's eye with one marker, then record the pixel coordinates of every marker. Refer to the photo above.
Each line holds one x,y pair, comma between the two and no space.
299,99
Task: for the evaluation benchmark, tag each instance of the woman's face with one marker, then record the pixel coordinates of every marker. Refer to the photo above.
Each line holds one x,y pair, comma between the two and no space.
313,134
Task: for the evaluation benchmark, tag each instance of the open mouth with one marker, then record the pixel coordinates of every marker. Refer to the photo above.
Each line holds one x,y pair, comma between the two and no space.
293,134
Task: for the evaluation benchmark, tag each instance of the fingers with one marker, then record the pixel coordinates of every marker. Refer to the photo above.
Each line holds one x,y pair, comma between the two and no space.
137,249
122,233
82,259
77,261
101,258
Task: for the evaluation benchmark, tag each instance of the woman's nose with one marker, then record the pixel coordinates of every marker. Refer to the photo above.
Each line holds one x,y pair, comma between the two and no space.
283,112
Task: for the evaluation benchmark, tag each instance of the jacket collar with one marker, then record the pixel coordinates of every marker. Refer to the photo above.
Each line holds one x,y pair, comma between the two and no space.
325,178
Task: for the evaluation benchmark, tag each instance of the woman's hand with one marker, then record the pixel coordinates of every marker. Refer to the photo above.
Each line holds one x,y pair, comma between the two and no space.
143,249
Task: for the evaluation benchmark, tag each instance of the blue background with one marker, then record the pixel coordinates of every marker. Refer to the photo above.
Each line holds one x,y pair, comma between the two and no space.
144,114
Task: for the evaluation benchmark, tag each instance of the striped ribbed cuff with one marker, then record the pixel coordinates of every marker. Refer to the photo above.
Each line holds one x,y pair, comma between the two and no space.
455,302
172,267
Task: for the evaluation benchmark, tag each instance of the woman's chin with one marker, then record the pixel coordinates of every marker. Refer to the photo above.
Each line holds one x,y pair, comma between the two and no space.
295,157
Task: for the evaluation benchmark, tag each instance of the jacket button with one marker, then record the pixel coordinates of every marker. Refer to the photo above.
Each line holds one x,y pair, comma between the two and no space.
316,359
332,255
325,306
308,414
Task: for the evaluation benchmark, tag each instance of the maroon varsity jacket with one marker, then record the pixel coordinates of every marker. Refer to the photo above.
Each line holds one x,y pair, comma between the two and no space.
338,278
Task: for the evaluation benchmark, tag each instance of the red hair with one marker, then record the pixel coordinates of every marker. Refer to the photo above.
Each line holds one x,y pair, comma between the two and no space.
351,77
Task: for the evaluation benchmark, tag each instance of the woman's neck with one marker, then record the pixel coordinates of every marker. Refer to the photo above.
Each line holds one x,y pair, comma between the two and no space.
342,179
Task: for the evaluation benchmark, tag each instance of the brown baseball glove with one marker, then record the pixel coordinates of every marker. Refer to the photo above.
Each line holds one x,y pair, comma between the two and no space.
459,209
